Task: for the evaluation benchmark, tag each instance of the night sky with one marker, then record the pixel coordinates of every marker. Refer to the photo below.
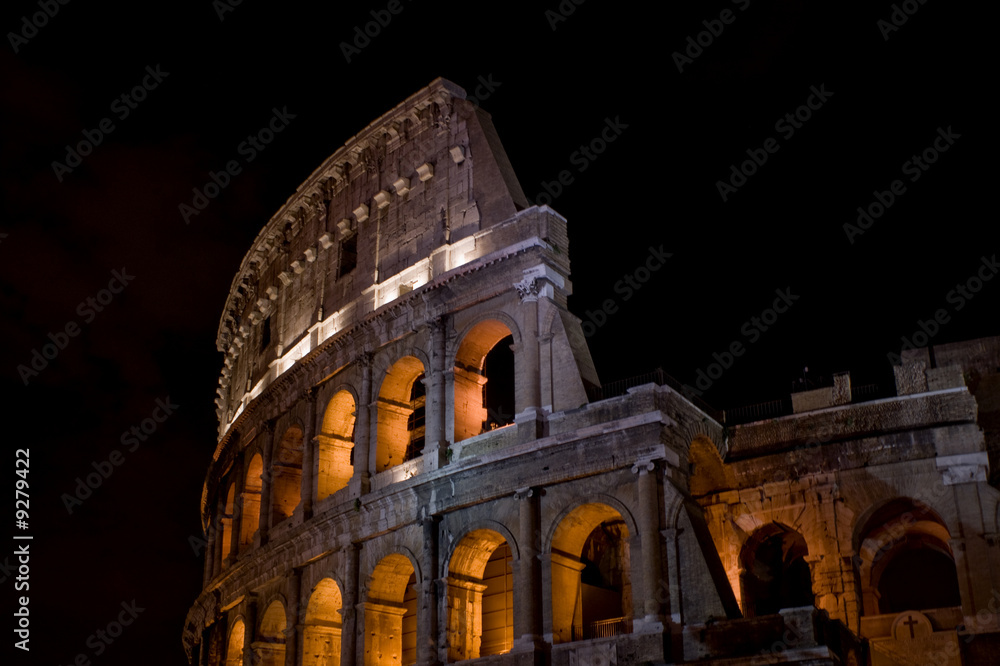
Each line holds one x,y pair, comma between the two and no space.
880,96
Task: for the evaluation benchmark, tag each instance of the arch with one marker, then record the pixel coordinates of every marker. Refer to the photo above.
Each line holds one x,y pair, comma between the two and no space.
590,567
390,613
270,644
250,520
234,644
706,468
286,474
323,624
893,508
401,400
493,525
484,379
901,541
336,444
598,498
774,573
227,523
500,317
480,596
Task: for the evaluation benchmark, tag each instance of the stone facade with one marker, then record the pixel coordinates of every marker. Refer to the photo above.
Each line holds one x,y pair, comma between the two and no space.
411,469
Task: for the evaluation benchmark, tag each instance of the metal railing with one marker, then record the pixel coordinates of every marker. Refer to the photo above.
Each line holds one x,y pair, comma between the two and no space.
610,628
657,376
758,412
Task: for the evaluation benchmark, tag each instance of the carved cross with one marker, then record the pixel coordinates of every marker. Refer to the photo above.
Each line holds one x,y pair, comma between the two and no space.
910,622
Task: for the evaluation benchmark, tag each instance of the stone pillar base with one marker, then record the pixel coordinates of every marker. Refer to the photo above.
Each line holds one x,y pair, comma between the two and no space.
531,651
359,485
651,624
531,425
435,455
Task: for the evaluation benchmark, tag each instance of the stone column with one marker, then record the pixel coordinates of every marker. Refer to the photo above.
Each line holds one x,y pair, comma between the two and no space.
428,607
234,534
309,457
435,442
970,549
266,481
217,545
214,525
361,481
293,644
465,629
250,624
349,610
528,398
528,582
648,523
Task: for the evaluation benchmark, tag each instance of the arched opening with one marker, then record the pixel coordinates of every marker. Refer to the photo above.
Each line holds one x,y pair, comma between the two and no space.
250,521
708,473
286,477
391,614
234,648
336,445
591,587
480,597
216,639
918,560
775,573
484,380
901,543
270,646
227,523
400,435
321,637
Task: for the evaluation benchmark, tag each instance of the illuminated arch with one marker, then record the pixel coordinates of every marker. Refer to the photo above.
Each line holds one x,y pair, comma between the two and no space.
322,634
902,541
227,523
708,472
270,646
336,444
286,475
480,596
400,431
234,645
250,520
391,613
774,573
591,584
484,379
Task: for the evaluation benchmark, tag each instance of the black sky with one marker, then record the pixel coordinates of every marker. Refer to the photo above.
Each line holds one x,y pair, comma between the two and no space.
554,90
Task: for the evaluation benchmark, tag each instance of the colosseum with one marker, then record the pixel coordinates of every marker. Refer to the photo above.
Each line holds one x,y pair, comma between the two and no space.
416,462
